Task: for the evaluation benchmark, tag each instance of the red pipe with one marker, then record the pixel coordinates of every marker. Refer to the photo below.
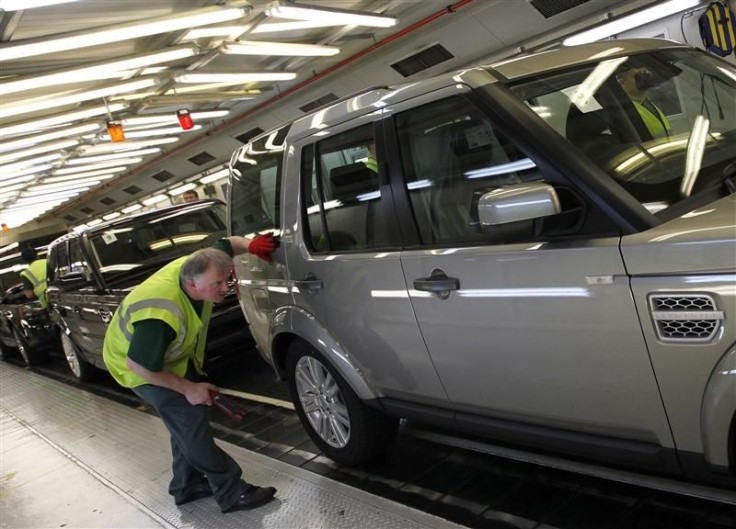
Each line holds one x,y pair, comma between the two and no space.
406,31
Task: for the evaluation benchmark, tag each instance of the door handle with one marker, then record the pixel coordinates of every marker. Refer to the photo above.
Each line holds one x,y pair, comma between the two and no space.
309,283
438,283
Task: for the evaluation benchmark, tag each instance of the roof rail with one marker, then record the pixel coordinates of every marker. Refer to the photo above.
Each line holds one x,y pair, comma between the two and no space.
345,98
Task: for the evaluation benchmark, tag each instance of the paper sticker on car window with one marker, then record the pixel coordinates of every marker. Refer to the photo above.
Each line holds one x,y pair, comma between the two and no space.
109,237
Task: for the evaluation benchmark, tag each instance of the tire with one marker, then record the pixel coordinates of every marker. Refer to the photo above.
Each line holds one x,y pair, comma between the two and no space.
31,356
80,368
344,429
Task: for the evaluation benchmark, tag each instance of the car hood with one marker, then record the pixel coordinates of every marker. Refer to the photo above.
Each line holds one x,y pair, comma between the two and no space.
701,241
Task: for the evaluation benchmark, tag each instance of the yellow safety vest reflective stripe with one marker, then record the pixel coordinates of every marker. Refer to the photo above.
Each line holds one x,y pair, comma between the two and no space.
36,274
159,297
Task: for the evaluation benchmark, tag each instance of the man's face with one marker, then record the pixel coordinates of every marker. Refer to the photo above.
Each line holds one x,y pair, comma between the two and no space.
211,285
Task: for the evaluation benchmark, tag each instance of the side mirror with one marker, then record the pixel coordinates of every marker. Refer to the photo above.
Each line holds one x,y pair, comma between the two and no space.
509,214
518,202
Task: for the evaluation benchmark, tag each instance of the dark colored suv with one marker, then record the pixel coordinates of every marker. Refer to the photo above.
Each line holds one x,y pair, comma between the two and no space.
90,273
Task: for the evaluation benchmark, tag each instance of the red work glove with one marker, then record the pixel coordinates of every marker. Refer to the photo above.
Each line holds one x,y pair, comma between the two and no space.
263,245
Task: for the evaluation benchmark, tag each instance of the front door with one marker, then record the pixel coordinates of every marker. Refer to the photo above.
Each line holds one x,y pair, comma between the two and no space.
540,331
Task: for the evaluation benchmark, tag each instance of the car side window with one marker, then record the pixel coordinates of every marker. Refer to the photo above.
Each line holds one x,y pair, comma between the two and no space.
342,203
452,155
256,185
61,260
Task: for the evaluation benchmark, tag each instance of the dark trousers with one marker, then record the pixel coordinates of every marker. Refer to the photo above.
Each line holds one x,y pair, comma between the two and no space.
193,447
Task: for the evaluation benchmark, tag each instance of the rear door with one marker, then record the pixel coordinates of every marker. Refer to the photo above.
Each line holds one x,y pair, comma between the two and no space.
537,324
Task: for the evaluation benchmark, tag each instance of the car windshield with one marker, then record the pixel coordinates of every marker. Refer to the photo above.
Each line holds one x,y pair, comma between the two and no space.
155,241
662,124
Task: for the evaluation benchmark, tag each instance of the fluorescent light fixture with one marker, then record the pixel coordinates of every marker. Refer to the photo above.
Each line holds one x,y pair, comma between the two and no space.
113,215
79,97
24,172
214,177
171,117
157,132
131,209
94,166
18,5
629,22
219,31
114,156
99,71
501,169
94,222
102,174
179,190
31,196
277,27
17,167
234,78
154,199
13,189
254,47
59,119
40,138
38,150
90,181
323,14
121,32
125,145
8,184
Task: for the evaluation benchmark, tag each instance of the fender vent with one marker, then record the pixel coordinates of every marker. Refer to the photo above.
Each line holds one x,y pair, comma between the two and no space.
686,317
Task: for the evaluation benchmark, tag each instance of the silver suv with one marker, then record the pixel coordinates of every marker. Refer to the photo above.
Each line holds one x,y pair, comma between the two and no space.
540,251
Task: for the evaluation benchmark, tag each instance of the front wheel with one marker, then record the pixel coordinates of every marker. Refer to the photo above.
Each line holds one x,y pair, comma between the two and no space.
81,369
338,422
31,356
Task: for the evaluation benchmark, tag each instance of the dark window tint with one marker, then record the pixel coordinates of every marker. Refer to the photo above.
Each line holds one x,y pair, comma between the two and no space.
342,194
256,189
452,155
143,247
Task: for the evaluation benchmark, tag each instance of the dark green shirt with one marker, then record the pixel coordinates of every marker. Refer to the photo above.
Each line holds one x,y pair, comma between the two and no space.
151,338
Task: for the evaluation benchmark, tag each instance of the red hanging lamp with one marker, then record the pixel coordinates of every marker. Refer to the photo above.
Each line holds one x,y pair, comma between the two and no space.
185,118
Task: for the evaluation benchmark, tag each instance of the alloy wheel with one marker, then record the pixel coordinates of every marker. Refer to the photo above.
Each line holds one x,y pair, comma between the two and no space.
322,401
71,355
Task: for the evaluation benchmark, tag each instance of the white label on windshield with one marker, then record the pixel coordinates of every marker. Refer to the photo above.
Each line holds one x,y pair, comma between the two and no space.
109,237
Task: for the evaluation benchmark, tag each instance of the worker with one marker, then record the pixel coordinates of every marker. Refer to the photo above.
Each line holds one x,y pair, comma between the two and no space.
155,345
636,82
190,196
34,277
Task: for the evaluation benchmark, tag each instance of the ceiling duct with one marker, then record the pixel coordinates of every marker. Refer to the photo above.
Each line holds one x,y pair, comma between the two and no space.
201,158
249,135
87,210
108,201
324,100
426,58
162,176
550,8
132,190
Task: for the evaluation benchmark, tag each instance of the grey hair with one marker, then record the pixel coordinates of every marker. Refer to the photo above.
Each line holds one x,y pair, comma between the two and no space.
201,260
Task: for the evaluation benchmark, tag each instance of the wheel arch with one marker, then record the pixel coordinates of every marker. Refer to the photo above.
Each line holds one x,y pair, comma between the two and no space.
718,414
294,323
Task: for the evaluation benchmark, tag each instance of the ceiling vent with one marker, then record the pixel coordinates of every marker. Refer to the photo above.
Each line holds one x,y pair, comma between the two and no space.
249,135
201,158
162,176
550,8
322,101
70,218
108,201
422,60
132,190
87,210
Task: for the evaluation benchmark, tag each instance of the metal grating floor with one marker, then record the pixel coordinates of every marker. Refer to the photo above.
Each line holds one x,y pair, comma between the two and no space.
128,452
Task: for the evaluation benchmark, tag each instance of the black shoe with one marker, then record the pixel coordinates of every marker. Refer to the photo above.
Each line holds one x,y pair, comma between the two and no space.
254,497
200,490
